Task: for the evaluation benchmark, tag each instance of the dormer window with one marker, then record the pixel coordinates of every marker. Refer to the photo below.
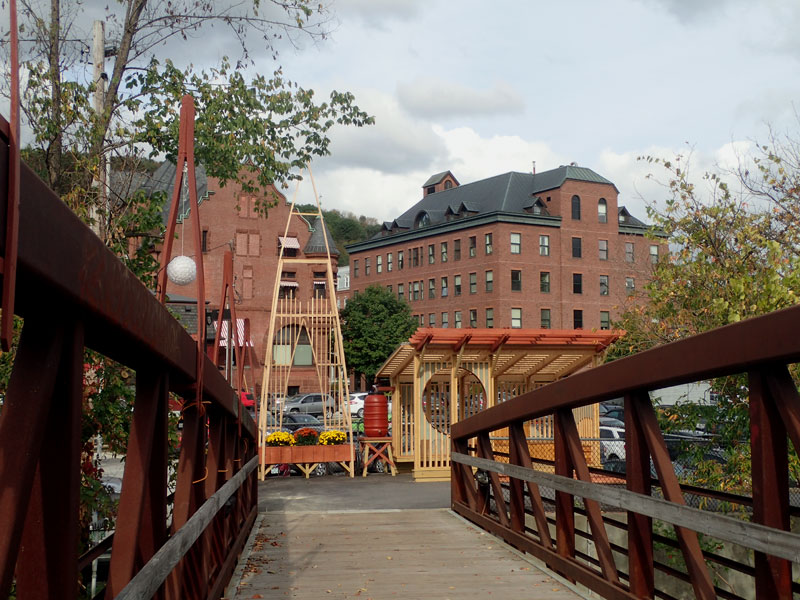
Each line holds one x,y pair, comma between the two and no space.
423,220
448,184
431,189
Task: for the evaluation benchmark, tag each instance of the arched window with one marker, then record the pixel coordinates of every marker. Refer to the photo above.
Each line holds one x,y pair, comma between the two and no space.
576,208
448,184
423,220
292,338
602,211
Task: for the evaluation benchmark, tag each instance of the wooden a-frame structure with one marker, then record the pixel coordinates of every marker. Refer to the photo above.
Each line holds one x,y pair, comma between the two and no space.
314,323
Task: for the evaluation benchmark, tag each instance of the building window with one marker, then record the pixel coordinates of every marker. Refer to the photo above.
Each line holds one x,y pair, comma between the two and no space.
457,319
473,246
577,319
399,260
423,220
416,290
544,245
473,318
445,320
577,283
431,254
489,318
487,243
516,280
544,318
576,247
399,291
389,262
456,249
473,283
576,208
654,254
489,281
204,241
431,288
544,282
605,320
389,287
604,285
629,252
444,287
516,318
456,285
602,211
292,346
630,285
247,282
415,257
248,244
355,268
366,267
431,319
602,246
319,289
379,264
443,247
516,243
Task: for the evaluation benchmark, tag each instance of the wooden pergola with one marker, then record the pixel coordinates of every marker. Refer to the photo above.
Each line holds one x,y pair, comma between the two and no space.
484,367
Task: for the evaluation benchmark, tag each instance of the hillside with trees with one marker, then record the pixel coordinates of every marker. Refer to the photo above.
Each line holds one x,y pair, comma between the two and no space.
346,228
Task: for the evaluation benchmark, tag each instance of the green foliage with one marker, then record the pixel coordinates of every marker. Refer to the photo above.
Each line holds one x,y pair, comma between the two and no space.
732,258
256,132
374,323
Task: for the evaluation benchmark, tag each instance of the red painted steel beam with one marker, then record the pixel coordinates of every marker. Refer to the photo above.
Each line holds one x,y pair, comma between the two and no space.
712,354
565,503
643,412
22,427
9,262
48,561
641,574
519,440
770,473
143,500
63,259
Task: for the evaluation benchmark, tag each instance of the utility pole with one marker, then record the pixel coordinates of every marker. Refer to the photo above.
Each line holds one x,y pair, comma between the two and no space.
99,78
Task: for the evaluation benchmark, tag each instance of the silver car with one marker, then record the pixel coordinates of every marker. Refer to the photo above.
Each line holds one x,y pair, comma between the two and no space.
312,404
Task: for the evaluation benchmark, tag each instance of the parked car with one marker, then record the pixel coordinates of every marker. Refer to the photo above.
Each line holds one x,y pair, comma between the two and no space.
313,404
297,420
613,411
357,404
611,422
612,446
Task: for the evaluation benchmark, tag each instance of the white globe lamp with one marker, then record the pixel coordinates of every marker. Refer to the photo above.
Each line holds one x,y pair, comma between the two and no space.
181,270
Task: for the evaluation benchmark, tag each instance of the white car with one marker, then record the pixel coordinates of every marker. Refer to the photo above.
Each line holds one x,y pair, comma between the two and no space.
612,445
357,404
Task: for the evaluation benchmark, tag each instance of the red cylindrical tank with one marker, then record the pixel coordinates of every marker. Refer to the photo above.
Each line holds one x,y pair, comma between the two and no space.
376,416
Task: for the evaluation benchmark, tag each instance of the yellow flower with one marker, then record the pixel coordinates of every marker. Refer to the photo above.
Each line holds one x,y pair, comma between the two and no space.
332,438
280,438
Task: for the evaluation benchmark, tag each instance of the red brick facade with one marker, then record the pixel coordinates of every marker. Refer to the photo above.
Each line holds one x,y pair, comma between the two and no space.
513,253
229,221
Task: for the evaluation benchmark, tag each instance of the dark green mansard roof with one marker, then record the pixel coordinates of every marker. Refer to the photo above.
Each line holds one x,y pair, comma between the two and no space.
316,243
509,192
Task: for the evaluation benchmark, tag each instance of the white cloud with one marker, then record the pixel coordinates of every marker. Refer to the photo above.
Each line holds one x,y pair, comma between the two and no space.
438,98
396,143
376,13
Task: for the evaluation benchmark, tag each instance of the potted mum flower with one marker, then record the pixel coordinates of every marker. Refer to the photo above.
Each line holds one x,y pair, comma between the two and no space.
306,437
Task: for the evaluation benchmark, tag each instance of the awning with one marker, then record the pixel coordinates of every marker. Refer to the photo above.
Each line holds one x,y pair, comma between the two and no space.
320,282
289,284
291,243
240,339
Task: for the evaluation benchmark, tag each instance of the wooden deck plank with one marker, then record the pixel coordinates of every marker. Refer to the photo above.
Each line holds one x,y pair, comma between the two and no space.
386,554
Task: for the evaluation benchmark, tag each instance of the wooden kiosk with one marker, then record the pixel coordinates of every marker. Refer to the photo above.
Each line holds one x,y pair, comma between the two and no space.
478,368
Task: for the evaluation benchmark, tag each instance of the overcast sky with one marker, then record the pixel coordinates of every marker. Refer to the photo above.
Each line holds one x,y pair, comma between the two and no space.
483,88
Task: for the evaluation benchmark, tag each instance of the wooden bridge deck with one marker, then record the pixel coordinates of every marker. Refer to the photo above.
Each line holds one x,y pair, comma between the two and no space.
406,554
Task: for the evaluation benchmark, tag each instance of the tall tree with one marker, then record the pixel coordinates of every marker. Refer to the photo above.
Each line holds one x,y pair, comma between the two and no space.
733,257
374,323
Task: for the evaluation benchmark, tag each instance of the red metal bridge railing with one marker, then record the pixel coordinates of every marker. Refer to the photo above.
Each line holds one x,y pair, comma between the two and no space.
510,502
73,293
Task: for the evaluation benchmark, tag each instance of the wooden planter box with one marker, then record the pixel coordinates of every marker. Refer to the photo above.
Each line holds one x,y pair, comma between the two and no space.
305,454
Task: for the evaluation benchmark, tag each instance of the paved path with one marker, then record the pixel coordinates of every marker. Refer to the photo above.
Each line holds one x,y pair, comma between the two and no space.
313,544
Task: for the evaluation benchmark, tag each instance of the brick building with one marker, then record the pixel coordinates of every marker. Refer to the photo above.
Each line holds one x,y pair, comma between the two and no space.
550,250
228,220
